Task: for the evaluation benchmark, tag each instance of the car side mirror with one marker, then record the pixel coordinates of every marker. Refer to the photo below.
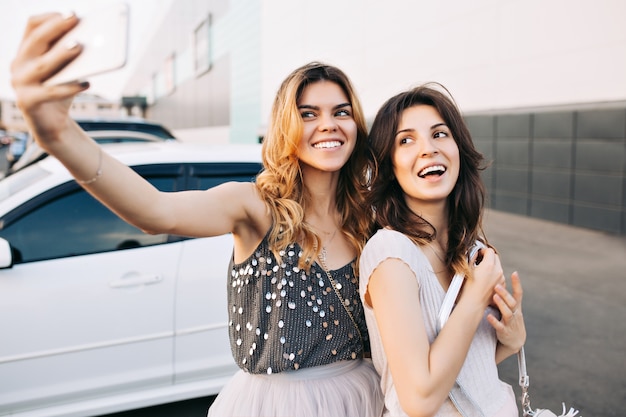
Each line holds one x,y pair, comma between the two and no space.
6,255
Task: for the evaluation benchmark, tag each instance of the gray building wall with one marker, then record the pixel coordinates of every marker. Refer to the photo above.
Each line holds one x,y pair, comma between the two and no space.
561,164
564,164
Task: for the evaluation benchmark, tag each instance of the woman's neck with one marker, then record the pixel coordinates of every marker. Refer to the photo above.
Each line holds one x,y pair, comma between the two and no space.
437,216
321,188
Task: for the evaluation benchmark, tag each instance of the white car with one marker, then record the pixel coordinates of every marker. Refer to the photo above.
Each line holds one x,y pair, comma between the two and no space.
24,151
97,317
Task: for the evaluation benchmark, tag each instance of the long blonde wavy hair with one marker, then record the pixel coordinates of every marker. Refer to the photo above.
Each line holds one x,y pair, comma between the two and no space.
280,183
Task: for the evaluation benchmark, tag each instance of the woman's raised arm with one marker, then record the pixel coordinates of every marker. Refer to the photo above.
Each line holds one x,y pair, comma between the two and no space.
228,208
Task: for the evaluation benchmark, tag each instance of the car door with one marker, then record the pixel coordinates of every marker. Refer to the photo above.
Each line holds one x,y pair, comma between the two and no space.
87,309
202,350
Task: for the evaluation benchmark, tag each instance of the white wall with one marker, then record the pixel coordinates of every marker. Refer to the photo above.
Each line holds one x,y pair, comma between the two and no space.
491,54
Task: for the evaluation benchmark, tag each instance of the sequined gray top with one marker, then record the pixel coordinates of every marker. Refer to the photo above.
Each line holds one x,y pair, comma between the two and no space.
281,318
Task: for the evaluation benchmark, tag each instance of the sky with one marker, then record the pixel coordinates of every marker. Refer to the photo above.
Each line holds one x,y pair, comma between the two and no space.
144,17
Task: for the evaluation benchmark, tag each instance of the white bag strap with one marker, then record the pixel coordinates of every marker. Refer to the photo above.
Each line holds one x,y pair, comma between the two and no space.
524,381
449,300
453,290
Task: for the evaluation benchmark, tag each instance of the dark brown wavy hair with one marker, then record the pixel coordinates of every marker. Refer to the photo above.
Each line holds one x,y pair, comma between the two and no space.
280,183
465,202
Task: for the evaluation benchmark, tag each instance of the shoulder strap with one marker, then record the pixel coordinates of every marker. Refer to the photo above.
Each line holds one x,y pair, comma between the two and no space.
453,290
449,300
444,313
524,381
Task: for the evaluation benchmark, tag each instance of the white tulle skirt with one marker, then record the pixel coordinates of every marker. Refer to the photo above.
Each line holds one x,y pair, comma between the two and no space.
341,389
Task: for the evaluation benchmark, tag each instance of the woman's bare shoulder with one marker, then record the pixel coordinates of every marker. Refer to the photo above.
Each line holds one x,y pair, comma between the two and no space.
247,195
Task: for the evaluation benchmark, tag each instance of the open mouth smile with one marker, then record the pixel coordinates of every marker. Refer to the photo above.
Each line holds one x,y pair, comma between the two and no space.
327,144
437,170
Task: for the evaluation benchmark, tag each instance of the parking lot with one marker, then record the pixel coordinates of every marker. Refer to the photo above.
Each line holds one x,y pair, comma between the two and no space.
574,293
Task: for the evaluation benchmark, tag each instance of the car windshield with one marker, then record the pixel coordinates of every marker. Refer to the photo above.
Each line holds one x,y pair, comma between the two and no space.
153,129
34,153
15,183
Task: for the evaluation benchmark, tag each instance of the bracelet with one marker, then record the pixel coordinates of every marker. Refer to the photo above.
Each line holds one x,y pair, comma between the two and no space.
98,171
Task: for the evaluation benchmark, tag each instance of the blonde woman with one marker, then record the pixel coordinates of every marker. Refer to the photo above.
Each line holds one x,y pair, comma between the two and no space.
297,328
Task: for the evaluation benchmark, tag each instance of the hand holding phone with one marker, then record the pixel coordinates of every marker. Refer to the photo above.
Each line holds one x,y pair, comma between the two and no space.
103,35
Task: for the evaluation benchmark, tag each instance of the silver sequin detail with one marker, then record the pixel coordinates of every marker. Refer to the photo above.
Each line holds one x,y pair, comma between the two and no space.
277,339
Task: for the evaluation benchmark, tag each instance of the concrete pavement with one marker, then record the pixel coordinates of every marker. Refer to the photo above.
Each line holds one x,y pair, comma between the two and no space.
574,308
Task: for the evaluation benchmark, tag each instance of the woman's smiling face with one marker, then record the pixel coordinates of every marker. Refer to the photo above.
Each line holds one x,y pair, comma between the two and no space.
425,157
329,130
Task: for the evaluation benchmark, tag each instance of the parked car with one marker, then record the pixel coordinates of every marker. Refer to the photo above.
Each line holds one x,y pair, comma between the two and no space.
5,138
98,317
131,129
117,136
17,146
128,123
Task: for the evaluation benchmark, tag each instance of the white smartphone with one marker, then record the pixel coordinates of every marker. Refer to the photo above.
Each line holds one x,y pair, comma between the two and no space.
103,33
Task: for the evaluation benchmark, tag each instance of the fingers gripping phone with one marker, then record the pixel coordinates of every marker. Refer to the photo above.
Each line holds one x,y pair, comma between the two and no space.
103,33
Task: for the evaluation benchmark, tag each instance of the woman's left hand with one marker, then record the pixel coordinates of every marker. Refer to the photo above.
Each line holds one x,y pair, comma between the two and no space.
510,329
